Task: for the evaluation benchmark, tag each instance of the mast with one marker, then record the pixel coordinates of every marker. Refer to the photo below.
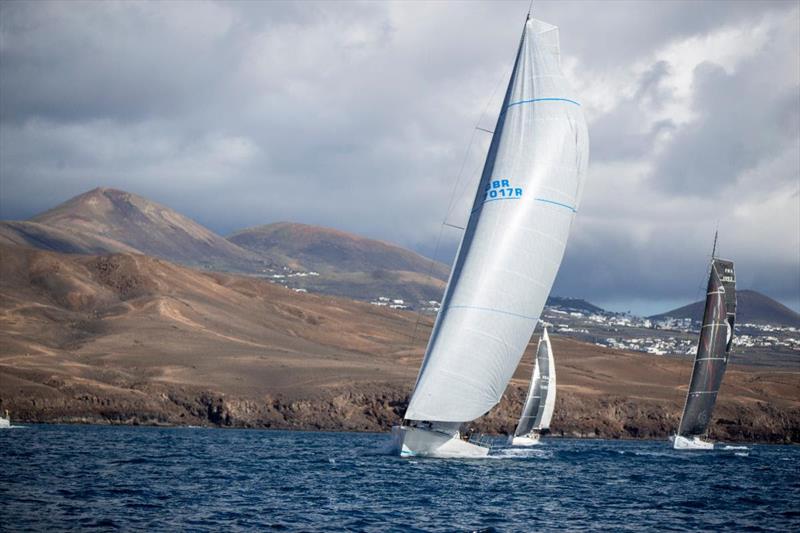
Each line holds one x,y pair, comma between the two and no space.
714,248
514,241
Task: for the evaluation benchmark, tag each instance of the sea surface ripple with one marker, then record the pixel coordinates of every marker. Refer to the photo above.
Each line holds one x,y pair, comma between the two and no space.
155,479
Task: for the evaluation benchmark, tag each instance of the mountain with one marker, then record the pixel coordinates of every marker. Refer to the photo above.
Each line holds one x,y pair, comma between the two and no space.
349,265
751,308
112,221
130,339
108,220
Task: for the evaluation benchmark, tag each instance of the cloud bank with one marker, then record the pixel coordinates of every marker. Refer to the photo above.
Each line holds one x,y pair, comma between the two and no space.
358,116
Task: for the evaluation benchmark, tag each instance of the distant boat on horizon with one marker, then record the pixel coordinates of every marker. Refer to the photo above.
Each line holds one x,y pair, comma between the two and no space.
509,255
541,400
713,352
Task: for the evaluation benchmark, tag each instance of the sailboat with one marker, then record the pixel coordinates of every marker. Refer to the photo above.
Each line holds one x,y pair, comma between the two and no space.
5,422
713,351
509,255
541,400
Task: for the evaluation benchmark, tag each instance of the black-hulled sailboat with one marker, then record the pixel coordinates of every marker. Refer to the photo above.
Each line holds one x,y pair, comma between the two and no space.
713,351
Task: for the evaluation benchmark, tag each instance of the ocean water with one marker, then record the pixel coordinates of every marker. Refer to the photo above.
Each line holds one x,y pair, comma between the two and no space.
155,479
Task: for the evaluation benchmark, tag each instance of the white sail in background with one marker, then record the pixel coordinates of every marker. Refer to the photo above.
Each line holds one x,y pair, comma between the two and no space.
548,386
512,247
541,400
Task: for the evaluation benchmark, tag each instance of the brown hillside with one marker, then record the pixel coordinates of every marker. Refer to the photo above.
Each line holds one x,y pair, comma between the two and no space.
350,265
132,339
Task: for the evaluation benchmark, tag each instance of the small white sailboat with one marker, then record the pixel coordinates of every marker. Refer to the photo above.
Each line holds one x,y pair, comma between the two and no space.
512,246
713,351
5,422
538,410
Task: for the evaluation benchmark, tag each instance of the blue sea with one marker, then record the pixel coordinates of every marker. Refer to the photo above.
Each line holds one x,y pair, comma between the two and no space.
155,479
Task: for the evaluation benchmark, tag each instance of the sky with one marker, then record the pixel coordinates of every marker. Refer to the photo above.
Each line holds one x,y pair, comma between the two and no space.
362,117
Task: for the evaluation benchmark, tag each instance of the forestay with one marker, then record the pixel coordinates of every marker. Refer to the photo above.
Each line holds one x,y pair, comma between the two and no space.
514,241
541,400
713,350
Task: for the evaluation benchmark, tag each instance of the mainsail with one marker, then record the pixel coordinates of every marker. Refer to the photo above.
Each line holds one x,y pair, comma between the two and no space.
713,350
514,241
541,400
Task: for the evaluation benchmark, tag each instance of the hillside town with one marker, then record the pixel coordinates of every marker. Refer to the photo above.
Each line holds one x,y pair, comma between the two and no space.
583,321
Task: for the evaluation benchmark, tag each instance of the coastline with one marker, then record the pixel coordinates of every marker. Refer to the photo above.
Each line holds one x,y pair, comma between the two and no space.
577,416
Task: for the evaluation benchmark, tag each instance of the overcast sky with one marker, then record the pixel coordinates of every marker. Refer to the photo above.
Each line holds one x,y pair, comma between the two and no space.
359,115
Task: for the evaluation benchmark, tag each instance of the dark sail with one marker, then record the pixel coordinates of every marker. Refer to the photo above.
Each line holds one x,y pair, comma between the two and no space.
716,338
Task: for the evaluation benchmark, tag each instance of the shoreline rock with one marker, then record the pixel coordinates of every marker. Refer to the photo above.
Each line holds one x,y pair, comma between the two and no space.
576,416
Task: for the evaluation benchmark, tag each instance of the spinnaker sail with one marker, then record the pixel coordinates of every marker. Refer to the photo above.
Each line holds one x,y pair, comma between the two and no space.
527,198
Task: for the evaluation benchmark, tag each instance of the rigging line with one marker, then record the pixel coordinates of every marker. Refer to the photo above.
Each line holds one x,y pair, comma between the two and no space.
452,198
484,129
469,147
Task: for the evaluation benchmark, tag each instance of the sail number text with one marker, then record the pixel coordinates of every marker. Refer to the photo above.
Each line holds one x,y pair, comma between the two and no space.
497,189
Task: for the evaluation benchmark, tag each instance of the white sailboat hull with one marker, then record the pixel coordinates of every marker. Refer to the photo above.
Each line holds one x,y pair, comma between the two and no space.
416,442
531,439
5,422
695,443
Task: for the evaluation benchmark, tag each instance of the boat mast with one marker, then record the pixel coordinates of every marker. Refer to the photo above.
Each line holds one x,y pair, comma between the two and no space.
714,248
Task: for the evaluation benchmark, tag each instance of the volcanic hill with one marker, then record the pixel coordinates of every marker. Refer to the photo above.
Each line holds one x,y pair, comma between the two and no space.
109,220
112,221
751,307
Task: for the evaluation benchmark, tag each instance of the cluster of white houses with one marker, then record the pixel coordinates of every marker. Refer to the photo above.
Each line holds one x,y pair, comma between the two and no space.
391,303
654,345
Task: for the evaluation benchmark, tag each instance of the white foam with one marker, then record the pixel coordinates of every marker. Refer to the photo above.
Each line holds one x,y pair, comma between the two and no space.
519,453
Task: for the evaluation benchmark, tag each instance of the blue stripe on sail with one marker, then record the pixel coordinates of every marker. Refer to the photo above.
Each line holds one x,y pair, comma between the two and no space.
545,200
489,309
542,100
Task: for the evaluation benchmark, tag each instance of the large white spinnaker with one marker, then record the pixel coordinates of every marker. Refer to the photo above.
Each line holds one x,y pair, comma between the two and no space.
514,241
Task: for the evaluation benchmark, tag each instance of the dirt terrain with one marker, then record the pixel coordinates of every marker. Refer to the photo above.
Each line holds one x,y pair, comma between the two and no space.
135,340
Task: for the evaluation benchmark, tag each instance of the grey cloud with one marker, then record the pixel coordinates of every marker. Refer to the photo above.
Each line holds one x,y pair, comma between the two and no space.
622,133
357,115
744,120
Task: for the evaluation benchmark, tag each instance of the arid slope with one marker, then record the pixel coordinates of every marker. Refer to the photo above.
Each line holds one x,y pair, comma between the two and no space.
350,265
131,339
